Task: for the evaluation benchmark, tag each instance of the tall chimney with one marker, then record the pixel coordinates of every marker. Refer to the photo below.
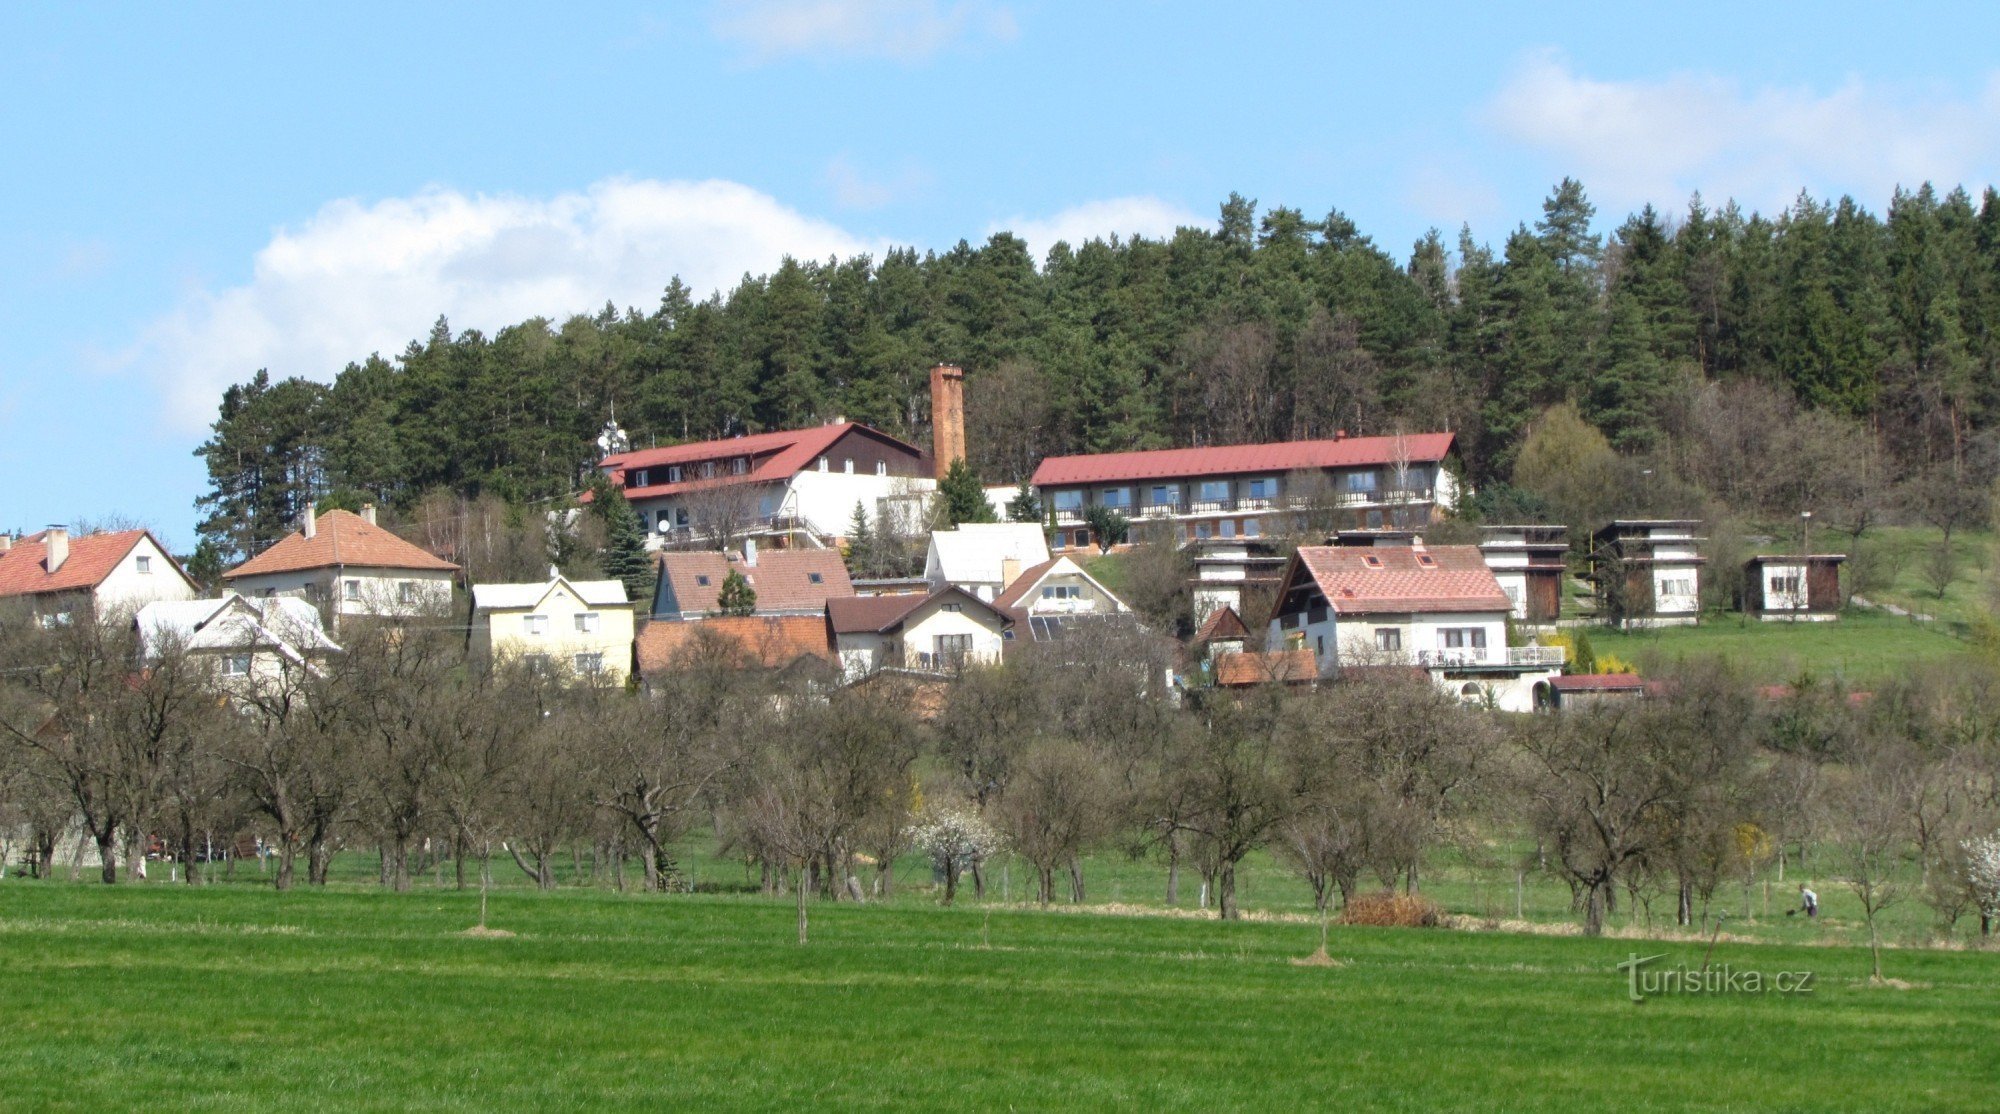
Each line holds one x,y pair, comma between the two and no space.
1010,571
368,513
309,525
750,552
6,542
57,541
947,416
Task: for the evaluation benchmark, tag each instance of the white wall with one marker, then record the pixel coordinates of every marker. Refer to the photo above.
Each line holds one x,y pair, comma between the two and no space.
126,589
1676,603
826,499
377,591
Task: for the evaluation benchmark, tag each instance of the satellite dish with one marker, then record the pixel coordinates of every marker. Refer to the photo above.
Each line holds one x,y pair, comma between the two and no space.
613,439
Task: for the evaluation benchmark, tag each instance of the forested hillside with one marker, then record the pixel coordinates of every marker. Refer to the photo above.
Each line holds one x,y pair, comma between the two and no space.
1685,338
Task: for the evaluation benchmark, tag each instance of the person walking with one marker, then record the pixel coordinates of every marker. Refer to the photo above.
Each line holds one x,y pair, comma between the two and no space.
1808,901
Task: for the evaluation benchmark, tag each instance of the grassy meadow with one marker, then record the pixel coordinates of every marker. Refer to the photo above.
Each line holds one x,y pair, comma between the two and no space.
235,998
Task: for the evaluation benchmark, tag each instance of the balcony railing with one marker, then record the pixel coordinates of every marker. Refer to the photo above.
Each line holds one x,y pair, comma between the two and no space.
1479,657
1246,504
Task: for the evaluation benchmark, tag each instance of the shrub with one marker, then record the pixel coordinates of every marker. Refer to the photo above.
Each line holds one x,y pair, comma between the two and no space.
1391,910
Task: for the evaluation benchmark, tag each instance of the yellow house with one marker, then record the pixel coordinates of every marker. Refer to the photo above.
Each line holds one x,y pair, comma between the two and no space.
583,626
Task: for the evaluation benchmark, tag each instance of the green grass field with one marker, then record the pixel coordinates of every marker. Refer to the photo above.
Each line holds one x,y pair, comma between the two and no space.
235,998
1861,648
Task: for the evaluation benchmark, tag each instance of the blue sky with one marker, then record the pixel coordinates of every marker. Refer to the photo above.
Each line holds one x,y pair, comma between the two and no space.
194,191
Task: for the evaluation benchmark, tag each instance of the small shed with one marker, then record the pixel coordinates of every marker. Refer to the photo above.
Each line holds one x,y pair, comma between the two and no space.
1793,588
1576,691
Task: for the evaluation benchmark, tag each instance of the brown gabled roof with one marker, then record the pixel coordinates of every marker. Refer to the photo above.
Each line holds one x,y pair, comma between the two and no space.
340,538
1360,580
24,567
1234,460
1222,623
782,579
774,457
1247,667
1010,599
772,641
882,614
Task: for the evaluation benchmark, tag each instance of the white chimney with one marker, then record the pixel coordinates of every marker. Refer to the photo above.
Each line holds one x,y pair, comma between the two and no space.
57,541
6,542
309,525
368,513
750,552
1010,571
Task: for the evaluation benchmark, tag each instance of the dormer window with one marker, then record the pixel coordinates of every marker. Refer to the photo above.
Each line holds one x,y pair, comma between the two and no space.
847,466
881,467
673,473
823,464
815,578
1371,560
1427,561
739,466
707,469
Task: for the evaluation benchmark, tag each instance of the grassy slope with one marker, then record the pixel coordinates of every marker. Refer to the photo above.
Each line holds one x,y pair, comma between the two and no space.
234,998
1861,647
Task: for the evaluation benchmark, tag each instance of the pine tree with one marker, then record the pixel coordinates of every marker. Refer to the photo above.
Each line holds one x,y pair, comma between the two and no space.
963,497
1024,506
737,598
862,558
624,558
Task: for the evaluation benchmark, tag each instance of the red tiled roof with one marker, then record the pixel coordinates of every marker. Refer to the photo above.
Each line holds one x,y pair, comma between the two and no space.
340,538
1598,682
23,570
882,614
785,454
1253,668
773,641
1399,581
1230,460
782,579
1023,584
1223,622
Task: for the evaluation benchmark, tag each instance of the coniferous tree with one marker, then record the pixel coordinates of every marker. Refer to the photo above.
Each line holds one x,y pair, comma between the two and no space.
862,556
737,597
1024,506
624,558
962,496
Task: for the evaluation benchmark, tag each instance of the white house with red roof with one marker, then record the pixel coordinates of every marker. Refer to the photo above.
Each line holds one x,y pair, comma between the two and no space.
800,481
1230,491
1439,609
941,632
114,572
787,581
349,565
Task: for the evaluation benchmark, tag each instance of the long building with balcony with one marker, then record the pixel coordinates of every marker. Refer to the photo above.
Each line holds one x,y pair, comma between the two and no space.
1436,609
1233,491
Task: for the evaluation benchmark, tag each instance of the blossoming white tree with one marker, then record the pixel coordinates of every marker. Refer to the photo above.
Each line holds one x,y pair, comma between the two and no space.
1982,877
955,838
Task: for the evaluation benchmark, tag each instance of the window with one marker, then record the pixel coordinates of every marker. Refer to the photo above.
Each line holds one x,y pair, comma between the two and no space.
1513,595
739,466
236,665
847,466
589,665
1785,585
144,565
1319,645
586,622
680,516
1388,640
1361,482
1067,500
1165,495
536,624
767,505
1462,638
674,473
1371,560
1082,539
1264,489
1678,586
707,469
881,467
666,520
701,581
1062,592
1252,527
1228,527
822,464
951,646
50,620
1115,497
350,590
815,578
1204,529
406,591
538,664
1214,491
1427,561
954,608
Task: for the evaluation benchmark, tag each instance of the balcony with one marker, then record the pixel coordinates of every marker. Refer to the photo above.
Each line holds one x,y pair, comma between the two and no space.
1499,657
1200,508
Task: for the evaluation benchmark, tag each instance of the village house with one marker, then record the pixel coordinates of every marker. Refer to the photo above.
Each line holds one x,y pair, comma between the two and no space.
1648,571
1793,588
583,627
249,642
1237,491
116,572
941,632
1438,609
774,642
787,581
1233,573
983,557
348,565
1530,563
796,488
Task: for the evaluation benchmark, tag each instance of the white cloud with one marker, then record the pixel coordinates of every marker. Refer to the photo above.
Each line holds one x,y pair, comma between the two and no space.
1660,140
905,30
357,277
1096,220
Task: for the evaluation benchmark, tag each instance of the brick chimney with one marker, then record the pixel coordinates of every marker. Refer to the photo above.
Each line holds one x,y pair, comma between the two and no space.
1010,571
309,524
947,416
57,542
368,513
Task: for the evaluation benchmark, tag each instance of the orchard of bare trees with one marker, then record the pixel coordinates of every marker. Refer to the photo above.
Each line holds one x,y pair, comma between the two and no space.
405,752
